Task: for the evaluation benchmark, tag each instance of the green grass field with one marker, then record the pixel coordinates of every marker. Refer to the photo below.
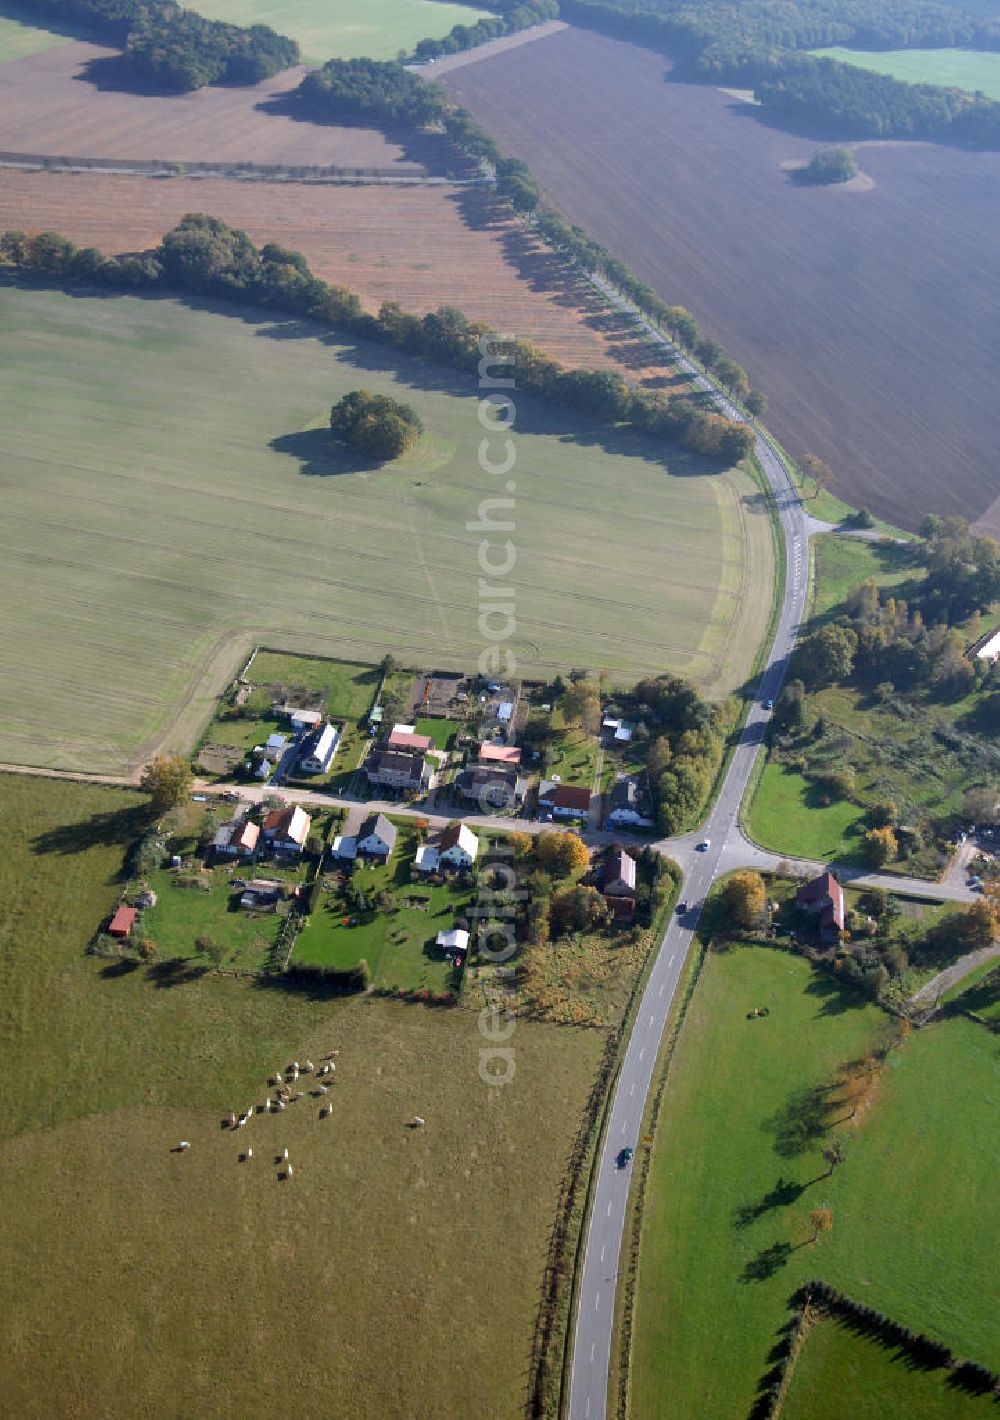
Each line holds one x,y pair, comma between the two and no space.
845,562
839,1373
786,812
737,1169
378,29
338,1292
969,69
21,37
173,499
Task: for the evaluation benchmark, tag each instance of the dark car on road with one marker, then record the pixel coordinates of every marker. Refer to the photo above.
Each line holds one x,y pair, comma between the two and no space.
625,1157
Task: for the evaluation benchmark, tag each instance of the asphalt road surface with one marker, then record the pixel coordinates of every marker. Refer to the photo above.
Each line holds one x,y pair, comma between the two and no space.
726,849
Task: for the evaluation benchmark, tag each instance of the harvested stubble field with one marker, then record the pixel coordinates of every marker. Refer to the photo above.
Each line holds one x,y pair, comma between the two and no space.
173,496
422,246
866,317
397,1273
48,105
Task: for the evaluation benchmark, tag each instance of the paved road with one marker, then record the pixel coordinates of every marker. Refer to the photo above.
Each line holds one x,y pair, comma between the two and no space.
726,849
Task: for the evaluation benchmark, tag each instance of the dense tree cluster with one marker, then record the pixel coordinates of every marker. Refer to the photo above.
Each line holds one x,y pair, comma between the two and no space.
376,425
685,749
512,17
761,44
205,255
178,48
907,642
826,166
379,90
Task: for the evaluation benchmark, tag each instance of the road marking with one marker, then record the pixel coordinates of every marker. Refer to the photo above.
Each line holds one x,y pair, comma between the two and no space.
662,989
642,1052
602,1253
588,1404
609,1210
593,1348
597,1301
671,961
652,1018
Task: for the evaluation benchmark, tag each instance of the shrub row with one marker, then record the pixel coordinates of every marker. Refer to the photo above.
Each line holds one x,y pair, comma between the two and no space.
204,255
923,1349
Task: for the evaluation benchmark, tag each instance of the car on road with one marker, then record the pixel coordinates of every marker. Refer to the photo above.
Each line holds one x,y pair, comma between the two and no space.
625,1156
682,907
704,845
768,704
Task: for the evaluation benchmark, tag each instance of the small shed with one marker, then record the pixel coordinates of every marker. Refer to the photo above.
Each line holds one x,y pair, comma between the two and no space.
122,922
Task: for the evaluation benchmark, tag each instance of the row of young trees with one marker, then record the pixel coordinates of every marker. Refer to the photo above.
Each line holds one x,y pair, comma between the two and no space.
178,48
204,255
761,44
387,92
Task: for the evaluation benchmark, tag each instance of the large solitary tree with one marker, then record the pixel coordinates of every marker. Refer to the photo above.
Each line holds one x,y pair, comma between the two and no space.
167,780
376,425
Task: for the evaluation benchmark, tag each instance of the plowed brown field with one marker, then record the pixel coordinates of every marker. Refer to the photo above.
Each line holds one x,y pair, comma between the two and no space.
867,317
48,105
422,246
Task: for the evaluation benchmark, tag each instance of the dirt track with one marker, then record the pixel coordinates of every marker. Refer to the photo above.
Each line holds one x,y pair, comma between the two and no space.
423,247
868,318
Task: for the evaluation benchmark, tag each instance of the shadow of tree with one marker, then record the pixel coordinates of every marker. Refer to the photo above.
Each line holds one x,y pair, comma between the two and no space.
784,1193
433,152
767,1263
802,1121
319,455
124,967
102,830
175,971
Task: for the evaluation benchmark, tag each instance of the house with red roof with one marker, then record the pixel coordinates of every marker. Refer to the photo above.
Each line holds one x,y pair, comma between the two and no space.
823,900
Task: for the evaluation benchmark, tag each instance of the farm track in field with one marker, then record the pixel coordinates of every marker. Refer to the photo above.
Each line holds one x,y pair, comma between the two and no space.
866,317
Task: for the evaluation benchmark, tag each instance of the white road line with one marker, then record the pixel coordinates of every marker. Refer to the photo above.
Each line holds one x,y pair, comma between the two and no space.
593,1348
597,1300
671,961
662,989
642,1052
609,1210
632,1089
602,1253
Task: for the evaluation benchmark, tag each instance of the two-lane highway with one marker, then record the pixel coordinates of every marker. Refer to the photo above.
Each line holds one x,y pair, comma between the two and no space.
594,1322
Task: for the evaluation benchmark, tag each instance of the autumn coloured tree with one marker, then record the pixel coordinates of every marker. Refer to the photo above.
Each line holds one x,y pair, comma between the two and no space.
881,846
564,855
167,781
744,898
